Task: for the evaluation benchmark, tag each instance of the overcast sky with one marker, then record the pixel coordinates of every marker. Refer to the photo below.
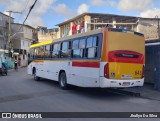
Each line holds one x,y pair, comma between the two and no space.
51,12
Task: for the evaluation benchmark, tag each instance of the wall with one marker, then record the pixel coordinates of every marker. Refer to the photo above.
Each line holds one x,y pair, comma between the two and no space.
148,28
22,41
47,34
4,30
27,32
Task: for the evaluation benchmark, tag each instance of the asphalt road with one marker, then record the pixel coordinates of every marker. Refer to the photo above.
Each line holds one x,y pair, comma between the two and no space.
20,93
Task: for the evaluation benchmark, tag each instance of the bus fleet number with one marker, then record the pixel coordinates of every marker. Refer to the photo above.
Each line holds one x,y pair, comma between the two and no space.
137,72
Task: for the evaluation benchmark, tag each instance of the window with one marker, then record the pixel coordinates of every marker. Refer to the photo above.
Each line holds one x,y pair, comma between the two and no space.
40,52
91,52
47,51
65,52
95,41
89,42
92,47
82,43
78,48
65,45
78,53
75,44
56,48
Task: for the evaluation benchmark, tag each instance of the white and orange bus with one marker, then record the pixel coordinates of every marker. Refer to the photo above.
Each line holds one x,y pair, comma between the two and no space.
102,58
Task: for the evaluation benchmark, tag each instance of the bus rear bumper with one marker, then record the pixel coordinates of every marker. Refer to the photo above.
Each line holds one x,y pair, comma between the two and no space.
120,83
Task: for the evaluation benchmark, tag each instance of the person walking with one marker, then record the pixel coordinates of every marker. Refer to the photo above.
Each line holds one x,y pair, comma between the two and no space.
16,65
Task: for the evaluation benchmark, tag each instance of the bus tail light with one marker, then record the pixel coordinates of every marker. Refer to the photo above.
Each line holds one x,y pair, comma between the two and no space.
106,70
142,72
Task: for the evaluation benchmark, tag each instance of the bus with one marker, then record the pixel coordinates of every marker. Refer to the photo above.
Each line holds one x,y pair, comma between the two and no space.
104,58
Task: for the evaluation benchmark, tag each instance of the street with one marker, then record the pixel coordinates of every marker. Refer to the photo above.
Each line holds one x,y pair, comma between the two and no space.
20,93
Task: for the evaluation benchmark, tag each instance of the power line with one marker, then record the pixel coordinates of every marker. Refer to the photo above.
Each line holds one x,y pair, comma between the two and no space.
26,5
30,11
24,9
26,17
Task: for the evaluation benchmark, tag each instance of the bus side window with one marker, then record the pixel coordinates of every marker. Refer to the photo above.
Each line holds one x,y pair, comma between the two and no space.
38,52
35,53
82,46
41,51
78,48
47,51
65,51
75,49
92,47
51,50
56,48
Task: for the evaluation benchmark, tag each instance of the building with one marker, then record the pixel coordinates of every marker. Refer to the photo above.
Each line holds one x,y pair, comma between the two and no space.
4,37
22,36
46,34
89,21
4,30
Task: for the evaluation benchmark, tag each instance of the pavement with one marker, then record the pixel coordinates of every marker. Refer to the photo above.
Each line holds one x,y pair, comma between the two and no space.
147,91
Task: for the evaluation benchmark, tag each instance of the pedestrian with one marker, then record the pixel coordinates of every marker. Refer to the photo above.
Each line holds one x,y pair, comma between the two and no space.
15,64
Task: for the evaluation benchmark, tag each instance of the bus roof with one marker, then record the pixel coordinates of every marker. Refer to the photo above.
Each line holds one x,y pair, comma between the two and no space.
91,32
41,43
85,34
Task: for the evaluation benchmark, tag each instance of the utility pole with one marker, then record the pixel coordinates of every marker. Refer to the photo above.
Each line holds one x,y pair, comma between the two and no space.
9,32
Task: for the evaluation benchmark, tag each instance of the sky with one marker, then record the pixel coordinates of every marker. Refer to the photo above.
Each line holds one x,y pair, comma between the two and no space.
49,13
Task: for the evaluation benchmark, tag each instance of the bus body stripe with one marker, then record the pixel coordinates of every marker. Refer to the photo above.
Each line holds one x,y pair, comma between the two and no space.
86,64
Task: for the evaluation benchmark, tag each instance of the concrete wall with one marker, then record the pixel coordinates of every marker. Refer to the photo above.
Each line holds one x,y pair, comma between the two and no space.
148,28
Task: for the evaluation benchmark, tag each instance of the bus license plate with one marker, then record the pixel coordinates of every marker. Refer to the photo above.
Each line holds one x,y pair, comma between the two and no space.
124,76
126,84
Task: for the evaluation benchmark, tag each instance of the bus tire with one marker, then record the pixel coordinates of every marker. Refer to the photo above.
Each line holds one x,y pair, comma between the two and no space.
63,81
36,78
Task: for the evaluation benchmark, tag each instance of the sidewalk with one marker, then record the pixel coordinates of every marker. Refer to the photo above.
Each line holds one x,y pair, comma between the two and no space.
147,91
18,68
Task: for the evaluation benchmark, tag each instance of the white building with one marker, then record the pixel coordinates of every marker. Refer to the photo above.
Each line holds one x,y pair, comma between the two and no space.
90,21
21,41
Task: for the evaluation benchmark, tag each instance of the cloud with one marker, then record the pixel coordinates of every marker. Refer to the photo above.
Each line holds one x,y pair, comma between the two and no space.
103,2
6,13
62,9
83,8
151,13
135,5
13,5
98,2
35,17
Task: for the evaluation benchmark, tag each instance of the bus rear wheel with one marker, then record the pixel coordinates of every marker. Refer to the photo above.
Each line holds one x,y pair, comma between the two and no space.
36,78
63,81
